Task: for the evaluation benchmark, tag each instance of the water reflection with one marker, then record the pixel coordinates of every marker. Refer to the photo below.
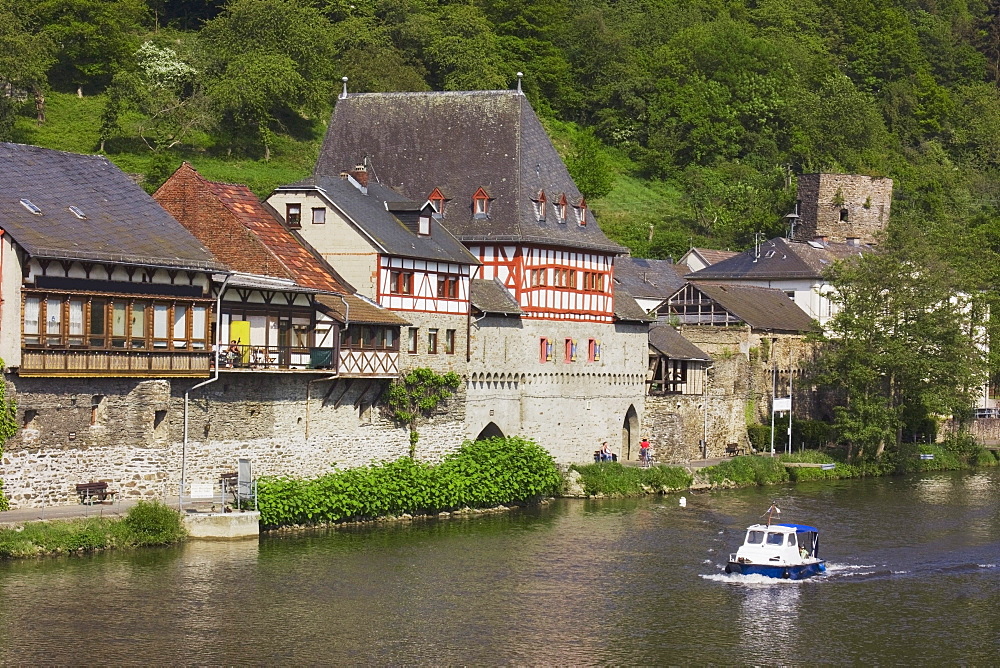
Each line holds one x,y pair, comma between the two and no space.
769,615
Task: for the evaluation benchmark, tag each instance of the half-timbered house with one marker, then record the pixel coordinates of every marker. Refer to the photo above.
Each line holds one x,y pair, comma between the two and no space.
573,373
285,308
395,252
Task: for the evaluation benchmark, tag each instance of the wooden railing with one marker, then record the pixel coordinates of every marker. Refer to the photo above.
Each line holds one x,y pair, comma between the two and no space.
92,363
353,363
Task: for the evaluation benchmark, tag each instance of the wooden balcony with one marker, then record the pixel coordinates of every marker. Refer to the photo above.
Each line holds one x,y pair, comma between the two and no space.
365,363
108,363
369,363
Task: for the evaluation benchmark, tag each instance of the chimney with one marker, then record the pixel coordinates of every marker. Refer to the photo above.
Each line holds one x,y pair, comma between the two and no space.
360,174
343,175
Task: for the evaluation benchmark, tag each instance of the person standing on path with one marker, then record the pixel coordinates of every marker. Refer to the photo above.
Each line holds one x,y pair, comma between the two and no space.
644,453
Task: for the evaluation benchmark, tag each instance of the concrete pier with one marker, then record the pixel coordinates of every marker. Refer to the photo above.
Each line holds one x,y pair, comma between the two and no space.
222,526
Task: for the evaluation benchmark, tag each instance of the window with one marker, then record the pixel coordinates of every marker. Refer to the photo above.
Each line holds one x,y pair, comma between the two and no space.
561,208
449,342
593,350
593,281
843,215
79,322
432,341
581,213
26,203
401,282
424,225
790,294
447,286
775,538
293,215
367,337
755,537
544,350
570,353
565,278
437,200
411,344
538,277
319,215
540,206
480,203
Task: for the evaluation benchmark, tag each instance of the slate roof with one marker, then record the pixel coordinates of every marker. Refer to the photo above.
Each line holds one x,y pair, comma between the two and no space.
626,308
669,342
369,213
761,308
460,142
781,259
649,278
490,296
123,224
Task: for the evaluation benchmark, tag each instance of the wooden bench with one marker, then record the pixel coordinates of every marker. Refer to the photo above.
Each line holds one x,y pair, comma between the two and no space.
734,450
91,491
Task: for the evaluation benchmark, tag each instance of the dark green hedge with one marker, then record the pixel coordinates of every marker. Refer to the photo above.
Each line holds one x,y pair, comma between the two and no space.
481,474
613,479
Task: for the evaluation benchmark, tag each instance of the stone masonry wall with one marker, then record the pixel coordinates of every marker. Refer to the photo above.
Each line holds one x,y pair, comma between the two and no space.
822,197
129,432
739,386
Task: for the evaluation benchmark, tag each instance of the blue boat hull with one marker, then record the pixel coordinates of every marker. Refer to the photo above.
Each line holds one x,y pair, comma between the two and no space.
800,572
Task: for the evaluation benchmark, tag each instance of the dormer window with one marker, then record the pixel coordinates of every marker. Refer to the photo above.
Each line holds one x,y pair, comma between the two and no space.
540,206
480,204
436,198
561,208
581,212
26,203
293,214
424,224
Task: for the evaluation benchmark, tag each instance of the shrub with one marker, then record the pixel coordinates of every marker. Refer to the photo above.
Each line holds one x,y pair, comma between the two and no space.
150,523
481,474
749,470
613,479
760,436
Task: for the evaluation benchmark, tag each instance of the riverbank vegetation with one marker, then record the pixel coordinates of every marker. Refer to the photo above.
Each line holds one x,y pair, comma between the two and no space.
146,524
482,474
613,479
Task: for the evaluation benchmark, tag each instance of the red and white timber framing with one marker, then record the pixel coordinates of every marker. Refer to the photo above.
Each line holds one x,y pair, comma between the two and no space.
552,284
406,284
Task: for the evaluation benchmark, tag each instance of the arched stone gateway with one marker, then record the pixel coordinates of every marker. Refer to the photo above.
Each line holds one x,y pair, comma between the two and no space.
489,431
630,435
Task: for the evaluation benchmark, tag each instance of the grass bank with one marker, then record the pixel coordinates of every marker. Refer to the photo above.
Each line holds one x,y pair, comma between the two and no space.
482,474
146,524
613,479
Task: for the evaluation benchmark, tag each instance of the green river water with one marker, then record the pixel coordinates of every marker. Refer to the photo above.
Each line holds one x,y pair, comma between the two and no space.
913,580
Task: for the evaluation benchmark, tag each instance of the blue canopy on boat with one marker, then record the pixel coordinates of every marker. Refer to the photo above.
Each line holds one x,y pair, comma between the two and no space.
799,528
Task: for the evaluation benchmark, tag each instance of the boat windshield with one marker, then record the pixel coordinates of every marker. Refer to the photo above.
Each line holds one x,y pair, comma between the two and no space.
755,537
791,539
775,538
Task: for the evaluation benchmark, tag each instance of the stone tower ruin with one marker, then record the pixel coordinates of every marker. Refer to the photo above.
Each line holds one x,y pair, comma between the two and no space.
844,208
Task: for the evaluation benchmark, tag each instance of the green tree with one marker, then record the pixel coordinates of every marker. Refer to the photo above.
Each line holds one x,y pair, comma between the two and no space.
416,395
267,58
903,347
94,37
25,57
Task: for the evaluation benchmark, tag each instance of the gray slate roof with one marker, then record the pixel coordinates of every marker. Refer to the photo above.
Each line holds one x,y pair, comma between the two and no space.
626,308
669,342
490,296
649,278
369,212
761,308
123,224
460,142
780,259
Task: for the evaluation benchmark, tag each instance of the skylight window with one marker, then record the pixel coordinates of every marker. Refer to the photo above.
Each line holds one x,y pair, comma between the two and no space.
78,212
26,203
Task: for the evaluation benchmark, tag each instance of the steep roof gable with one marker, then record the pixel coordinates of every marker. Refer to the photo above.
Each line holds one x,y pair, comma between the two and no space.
778,259
460,142
119,223
254,241
761,308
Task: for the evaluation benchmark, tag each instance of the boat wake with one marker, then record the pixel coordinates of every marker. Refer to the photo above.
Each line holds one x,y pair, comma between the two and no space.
736,578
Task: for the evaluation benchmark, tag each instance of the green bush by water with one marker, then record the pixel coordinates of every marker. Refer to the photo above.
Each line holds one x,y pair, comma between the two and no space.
748,470
147,523
481,474
613,479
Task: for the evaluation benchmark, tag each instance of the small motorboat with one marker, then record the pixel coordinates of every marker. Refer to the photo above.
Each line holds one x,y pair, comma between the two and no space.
789,551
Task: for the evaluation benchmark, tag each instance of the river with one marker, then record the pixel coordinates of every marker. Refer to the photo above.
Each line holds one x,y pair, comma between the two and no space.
913,579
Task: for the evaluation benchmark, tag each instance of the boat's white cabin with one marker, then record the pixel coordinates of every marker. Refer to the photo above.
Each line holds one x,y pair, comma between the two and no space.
778,545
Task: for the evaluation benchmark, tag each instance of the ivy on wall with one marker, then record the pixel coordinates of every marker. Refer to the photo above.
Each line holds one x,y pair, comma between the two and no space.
8,427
